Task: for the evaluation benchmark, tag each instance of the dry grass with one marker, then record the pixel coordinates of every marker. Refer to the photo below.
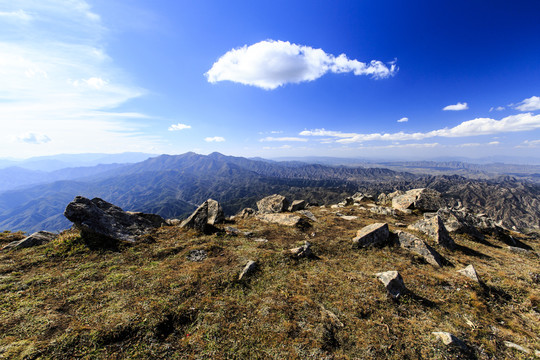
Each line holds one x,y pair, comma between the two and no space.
64,301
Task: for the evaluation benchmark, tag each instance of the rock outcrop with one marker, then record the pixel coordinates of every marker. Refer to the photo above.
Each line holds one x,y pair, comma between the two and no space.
434,227
205,217
99,219
417,246
283,219
36,239
372,235
420,199
273,204
297,205
393,282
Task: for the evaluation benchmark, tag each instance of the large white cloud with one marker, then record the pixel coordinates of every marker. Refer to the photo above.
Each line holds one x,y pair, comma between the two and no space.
214,139
479,126
269,64
530,104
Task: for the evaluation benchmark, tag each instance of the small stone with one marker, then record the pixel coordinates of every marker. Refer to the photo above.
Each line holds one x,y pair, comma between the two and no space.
376,234
449,339
302,251
197,255
517,347
349,217
250,267
470,272
393,282
518,250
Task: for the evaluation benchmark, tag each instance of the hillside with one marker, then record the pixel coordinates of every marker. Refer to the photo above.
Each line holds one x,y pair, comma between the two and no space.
176,294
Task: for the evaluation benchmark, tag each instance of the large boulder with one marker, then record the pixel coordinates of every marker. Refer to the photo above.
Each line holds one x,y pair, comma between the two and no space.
284,219
36,239
273,204
376,234
99,219
417,246
297,205
434,227
205,217
420,199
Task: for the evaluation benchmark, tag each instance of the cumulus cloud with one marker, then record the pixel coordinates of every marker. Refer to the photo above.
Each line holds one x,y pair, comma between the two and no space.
214,139
530,104
479,126
403,119
270,138
269,64
178,127
457,107
31,138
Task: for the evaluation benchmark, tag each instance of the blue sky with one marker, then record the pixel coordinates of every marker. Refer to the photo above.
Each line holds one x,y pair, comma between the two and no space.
394,79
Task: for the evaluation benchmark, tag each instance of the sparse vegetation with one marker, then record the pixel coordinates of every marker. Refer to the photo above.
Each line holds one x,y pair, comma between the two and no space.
63,300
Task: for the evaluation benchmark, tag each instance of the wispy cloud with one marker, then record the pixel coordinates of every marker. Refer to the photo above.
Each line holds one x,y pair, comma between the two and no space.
270,64
498,108
17,15
270,138
529,144
479,126
457,107
530,104
178,127
214,139
31,138
403,119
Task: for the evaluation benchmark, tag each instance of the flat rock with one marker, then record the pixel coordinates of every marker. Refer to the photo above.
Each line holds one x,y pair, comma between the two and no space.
517,347
99,218
273,204
376,234
308,214
417,246
249,269
297,205
205,217
349,217
382,210
470,272
36,239
302,251
393,283
434,227
449,339
283,219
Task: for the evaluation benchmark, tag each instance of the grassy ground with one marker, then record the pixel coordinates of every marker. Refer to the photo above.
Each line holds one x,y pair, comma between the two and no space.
64,301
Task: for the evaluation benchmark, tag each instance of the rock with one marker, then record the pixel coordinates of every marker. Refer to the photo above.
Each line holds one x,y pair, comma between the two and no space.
335,206
348,201
197,255
403,202
232,231
517,347
372,235
205,217
249,269
393,282
385,199
349,217
518,250
449,339
359,197
308,214
261,240
36,239
470,272
97,218
273,204
245,213
420,199
302,251
173,222
382,210
297,205
462,221
417,246
435,228
283,219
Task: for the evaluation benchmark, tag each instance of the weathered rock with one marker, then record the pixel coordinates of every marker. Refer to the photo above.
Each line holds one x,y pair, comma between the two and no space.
517,347
470,272
462,221
382,210
205,217
297,205
302,251
245,213
348,201
417,246
449,339
518,250
434,227
249,269
283,219
393,282
402,202
308,214
101,219
36,239
372,235
197,255
232,231
273,204
421,199
173,222
359,197
385,199
349,217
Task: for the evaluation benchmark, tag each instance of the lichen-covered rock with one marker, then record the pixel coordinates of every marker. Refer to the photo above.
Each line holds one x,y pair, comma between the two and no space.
434,227
205,217
297,205
283,219
273,204
249,269
417,246
36,239
470,272
372,235
100,219
302,251
393,283
420,199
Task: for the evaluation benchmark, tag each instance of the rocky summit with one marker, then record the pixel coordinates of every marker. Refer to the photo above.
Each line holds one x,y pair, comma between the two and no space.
288,280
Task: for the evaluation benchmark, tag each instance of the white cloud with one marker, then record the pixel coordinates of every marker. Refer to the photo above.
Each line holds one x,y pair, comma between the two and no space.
270,138
269,64
178,127
457,107
498,108
403,119
214,139
529,144
31,138
15,15
479,126
530,104
492,143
